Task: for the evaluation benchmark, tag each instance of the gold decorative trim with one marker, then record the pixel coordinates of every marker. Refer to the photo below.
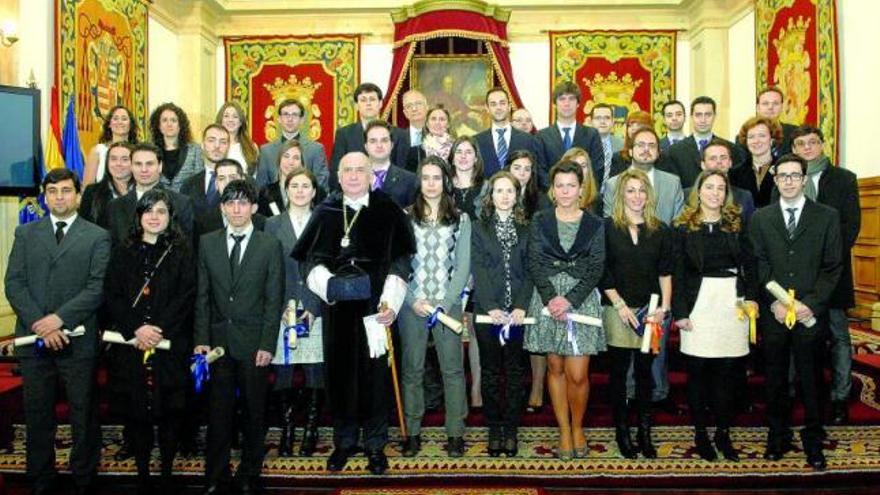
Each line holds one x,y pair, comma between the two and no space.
396,91
425,6
443,33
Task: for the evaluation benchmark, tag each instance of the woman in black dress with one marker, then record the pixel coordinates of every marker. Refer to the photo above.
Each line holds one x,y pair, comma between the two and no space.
503,290
171,133
639,260
150,290
117,181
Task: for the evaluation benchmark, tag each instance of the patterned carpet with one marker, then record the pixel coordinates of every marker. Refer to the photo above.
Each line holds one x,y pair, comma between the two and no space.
851,450
440,491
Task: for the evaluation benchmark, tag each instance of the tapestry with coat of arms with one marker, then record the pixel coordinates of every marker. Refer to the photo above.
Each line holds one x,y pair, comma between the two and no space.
101,60
321,72
796,51
629,70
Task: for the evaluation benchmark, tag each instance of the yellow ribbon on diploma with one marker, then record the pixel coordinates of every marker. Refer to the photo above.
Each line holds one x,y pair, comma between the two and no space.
149,353
745,310
790,315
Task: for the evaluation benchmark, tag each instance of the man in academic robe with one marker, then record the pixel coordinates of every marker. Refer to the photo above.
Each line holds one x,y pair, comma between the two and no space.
238,307
556,139
55,281
357,234
684,157
501,139
797,244
291,115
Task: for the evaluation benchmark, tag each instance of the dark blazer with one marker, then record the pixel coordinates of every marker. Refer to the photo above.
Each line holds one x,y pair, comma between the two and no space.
487,265
295,281
43,277
584,261
683,159
414,156
271,194
839,189
121,211
519,140
665,143
168,306
785,147
95,199
688,275
351,138
551,150
401,185
241,315
744,177
809,262
194,189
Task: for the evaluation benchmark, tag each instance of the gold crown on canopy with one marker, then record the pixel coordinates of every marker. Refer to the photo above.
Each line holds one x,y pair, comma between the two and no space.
613,89
792,37
303,91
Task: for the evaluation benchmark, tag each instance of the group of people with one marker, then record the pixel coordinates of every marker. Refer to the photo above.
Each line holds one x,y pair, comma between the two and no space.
551,246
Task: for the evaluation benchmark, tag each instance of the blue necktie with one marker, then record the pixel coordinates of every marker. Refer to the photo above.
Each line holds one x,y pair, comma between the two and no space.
566,139
211,195
702,144
501,150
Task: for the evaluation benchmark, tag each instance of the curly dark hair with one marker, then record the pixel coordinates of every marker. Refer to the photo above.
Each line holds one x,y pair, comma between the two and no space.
185,136
107,134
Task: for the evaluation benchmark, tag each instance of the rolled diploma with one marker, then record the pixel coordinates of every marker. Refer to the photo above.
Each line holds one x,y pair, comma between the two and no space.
446,320
117,338
215,354
577,318
528,320
646,337
781,295
32,339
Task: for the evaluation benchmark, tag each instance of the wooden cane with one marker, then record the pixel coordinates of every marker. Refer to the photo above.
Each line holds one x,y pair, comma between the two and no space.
392,363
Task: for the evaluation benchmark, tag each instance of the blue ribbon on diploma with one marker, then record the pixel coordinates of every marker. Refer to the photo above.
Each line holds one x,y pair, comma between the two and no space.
569,329
465,294
39,347
201,372
286,345
433,318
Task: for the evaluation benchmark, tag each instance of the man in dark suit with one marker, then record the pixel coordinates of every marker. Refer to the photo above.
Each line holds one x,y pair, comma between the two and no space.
797,243
213,219
291,115
200,187
396,182
555,140
838,188
769,104
684,157
146,168
415,108
673,120
501,138
55,281
368,98
238,308
717,156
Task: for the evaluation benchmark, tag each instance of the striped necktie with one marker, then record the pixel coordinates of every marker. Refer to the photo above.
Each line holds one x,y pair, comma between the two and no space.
501,148
606,149
791,224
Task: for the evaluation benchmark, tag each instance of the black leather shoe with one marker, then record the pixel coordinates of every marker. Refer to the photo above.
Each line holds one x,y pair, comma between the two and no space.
412,446
816,459
338,459
776,450
725,445
377,462
511,447
624,442
839,413
704,446
455,447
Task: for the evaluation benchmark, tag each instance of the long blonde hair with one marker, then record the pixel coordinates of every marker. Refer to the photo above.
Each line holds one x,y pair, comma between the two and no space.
588,186
691,216
248,148
618,211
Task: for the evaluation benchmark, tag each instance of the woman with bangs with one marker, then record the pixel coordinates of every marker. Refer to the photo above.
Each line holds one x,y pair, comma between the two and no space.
119,126
273,198
241,147
590,199
759,135
714,282
523,165
639,260
503,290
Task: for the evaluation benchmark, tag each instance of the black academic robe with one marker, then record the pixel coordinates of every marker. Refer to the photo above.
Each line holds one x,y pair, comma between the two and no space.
382,243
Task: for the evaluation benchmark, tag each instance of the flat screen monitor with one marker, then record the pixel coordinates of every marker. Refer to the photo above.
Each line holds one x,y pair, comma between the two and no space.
20,138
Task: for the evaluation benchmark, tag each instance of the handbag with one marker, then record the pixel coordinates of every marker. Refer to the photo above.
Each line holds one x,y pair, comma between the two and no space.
350,283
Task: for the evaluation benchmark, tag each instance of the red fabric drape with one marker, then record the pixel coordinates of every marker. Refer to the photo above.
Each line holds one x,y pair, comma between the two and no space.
442,24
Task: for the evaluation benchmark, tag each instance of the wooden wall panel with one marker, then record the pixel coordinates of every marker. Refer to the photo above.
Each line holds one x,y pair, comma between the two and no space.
866,253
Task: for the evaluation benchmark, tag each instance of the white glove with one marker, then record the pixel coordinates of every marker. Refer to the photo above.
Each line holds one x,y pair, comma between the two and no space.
376,337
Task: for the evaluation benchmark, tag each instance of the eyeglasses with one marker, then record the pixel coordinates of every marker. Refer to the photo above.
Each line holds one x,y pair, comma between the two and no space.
290,115
645,146
414,105
786,178
804,143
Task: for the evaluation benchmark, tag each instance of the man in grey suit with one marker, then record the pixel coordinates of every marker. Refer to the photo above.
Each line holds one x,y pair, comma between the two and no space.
55,281
645,150
238,308
291,114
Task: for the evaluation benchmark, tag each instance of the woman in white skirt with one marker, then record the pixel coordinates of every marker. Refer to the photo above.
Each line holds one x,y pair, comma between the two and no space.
714,277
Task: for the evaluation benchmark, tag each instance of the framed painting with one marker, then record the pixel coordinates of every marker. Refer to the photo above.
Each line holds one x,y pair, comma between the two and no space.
459,84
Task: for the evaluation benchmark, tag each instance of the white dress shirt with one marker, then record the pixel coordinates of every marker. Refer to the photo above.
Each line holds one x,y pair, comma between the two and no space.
230,242
798,204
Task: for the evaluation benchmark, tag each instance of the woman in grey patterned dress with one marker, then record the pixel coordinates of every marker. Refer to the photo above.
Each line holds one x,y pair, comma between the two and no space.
566,260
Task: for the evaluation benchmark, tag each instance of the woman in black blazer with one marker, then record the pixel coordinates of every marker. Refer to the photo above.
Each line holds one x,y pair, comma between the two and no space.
273,199
758,135
117,181
150,289
714,277
502,289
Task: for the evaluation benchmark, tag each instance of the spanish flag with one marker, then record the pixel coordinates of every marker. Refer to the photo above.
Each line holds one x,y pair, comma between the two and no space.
53,158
